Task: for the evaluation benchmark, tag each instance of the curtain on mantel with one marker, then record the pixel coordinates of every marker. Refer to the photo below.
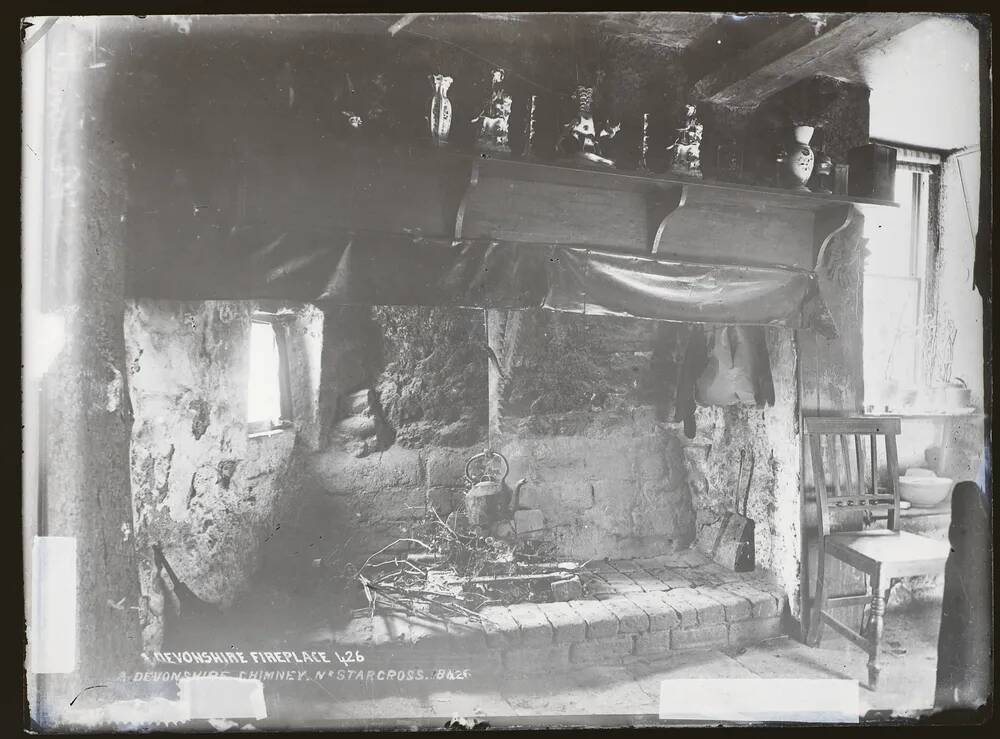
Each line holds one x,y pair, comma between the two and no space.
387,269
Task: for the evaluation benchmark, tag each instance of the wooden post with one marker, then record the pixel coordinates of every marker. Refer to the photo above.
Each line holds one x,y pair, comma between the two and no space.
84,489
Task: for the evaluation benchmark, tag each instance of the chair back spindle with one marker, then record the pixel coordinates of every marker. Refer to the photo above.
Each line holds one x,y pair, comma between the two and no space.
853,479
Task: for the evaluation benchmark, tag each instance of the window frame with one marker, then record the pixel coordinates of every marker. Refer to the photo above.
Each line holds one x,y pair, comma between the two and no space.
925,165
279,326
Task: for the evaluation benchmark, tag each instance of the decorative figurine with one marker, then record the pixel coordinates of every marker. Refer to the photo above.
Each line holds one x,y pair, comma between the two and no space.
797,159
529,134
440,109
493,122
687,147
580,136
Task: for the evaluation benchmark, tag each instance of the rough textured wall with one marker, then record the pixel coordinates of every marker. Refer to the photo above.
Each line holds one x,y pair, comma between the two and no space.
771,436
204,489
405,397
433,386
584,418
959,306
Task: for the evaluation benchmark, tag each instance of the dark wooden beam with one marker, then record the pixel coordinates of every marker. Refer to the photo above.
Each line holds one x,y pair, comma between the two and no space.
801,50
789,38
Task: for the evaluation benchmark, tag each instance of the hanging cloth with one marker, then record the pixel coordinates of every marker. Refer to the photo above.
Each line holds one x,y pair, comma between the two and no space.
727,378
723,365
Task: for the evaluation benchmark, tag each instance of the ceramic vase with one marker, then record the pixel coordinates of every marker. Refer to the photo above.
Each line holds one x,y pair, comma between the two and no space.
580,135
440,109
797,160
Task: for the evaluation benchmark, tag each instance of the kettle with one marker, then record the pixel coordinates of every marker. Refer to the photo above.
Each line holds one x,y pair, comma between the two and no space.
483,500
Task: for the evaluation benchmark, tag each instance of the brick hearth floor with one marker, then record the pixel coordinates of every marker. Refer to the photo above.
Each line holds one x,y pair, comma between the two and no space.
631,609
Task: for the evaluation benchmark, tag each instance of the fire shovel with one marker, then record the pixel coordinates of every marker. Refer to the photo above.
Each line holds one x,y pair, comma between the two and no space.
734,547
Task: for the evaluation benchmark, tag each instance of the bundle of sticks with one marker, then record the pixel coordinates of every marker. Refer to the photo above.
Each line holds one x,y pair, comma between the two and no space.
446,574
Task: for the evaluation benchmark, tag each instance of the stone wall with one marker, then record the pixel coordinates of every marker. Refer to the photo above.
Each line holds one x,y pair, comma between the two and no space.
583,414
209,493
404,393
771,436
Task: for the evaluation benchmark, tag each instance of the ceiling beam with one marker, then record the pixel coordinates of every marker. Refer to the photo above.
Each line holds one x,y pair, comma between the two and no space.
800,50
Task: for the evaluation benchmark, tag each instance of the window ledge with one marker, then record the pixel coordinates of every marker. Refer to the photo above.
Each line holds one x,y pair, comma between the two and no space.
266,433
951,413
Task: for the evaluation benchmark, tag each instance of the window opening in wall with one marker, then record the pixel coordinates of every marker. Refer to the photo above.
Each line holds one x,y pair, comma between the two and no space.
268,397
898,284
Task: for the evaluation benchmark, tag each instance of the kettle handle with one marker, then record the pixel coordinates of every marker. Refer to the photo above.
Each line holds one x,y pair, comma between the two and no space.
484,455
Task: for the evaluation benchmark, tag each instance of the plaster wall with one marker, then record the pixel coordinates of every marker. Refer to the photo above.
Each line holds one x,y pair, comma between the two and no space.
959,305
770,436
925,85
202,487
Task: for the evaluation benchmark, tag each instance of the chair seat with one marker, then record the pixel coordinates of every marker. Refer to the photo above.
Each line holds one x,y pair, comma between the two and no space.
898,553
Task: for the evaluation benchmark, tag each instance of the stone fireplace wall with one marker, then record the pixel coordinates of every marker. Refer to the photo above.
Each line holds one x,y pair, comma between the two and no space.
582,408
404,405
771,436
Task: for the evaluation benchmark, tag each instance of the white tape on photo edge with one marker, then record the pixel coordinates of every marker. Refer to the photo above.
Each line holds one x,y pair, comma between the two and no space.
52,632
755,700
220,697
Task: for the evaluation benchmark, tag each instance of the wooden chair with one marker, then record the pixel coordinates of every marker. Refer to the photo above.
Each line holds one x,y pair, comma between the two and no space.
884,555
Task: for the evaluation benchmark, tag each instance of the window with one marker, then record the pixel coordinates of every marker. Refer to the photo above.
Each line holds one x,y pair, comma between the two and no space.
268,398
897,287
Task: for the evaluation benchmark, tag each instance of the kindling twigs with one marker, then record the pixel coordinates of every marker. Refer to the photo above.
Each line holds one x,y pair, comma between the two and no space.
398,597
390,546
452,574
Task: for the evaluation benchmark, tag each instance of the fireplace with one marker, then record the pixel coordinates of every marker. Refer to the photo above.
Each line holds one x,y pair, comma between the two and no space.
573,375
584,407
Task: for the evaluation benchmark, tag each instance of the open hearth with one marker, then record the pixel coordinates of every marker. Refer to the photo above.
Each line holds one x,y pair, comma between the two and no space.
629,609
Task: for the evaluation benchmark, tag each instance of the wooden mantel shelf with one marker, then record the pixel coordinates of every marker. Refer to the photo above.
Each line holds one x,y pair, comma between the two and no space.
564,173
444,193
650,214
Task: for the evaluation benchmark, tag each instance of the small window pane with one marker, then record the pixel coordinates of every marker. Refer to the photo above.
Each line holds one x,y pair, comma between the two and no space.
264,387
889,232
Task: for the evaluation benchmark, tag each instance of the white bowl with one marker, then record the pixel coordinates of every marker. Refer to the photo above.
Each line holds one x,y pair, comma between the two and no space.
919,472
924,492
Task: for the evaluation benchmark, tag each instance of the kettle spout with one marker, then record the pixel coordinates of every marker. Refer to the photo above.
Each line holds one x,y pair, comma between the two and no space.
515,498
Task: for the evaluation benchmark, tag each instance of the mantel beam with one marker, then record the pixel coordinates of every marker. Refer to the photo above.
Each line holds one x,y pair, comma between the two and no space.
796,52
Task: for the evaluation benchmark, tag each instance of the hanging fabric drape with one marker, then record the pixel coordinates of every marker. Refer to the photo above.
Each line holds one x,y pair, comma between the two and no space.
397,269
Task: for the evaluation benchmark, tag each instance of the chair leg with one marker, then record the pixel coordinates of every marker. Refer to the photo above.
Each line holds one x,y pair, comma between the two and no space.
875,631
815,631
